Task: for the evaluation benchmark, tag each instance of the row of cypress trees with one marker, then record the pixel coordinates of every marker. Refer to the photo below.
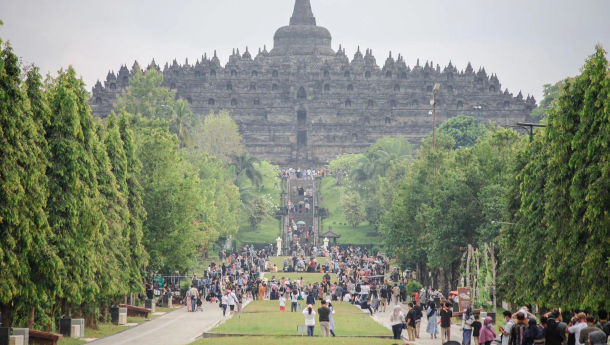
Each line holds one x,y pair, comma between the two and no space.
71,206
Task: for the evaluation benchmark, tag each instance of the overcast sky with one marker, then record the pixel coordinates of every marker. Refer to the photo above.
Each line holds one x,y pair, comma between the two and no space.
527,43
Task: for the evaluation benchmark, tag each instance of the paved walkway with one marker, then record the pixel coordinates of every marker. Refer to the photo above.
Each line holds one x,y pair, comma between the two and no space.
178,327
424,338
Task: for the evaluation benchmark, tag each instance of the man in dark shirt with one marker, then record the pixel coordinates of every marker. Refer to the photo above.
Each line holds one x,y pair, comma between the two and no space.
446,314
411,315
383,293
324,318
418,315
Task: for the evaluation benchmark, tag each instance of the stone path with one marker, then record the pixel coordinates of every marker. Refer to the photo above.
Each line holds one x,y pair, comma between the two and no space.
178,327
424,338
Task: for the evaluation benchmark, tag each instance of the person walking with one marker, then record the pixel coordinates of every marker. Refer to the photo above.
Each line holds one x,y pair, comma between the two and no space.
232,300
445,322
282,301
476,330
418,315
332,318
224,301
411,322
193,294
397,320
310,319
467,320
487,332
294,298
324,318
432,315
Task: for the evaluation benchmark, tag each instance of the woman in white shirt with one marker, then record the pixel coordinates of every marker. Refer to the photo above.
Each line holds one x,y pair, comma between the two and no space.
310,319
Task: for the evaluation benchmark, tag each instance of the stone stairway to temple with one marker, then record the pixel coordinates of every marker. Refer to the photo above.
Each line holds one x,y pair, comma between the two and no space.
310,218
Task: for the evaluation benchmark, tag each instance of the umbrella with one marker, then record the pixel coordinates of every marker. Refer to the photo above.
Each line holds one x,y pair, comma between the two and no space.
300,222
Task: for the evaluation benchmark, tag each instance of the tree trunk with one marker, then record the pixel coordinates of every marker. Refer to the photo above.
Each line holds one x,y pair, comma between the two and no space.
468,258
32,317
486,285
492,255
478,273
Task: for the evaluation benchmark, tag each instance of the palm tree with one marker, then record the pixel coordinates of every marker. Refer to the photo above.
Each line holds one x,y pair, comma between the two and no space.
183,117
245,165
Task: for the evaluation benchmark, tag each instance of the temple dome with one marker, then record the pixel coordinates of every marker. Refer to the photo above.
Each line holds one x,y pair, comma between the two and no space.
302,36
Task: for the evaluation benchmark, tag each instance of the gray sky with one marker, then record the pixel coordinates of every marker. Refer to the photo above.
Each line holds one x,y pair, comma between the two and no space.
527,43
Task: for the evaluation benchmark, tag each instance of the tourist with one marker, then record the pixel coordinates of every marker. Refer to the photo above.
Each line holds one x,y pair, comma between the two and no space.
432,327
224,301
396,294
366,305
508,325
310,319
555,330
487,334
603,322
517,330
332,318
324,318
282,301
418,315
232,300
411,322
294,299
533,333
476,329
397,320
193,295
467,320
445,322
384,297
578,323
591,327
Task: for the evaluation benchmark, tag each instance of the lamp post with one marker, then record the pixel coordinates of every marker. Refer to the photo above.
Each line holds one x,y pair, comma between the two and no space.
433,104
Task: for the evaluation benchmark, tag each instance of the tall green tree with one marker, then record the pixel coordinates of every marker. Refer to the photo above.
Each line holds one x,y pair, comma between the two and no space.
73,209
218,135
465,130
563,199
137,212
352,207
172,200
24,230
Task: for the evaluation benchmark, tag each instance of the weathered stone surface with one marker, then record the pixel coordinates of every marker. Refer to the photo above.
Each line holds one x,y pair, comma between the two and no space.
303,103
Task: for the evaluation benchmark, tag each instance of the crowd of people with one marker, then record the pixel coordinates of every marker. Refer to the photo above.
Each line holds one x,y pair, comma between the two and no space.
353,275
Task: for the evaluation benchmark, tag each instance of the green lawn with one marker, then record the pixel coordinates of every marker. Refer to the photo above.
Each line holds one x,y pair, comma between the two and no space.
330,198
269,229
309,278
264,317
295,341
105,329
279,260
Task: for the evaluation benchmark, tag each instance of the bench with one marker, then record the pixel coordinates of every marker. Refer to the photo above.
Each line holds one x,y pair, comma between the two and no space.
44,338
132,310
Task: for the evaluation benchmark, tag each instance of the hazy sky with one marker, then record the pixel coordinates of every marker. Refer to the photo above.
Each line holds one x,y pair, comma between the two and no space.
527,43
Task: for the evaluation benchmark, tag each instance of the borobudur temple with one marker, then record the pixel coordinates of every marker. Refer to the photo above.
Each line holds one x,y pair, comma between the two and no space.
305,103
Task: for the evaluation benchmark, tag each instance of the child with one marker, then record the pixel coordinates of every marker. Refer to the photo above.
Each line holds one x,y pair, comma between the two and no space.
282,303
476,329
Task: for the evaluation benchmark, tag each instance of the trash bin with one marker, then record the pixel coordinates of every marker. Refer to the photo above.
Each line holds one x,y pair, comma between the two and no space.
25,332
493,316
5,335
150,303
122,316
114,315
72,328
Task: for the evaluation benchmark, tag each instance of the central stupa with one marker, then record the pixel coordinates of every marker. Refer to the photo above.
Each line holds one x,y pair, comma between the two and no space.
302,36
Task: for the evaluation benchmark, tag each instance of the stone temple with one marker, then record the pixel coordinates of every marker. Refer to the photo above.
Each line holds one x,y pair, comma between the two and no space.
305,103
